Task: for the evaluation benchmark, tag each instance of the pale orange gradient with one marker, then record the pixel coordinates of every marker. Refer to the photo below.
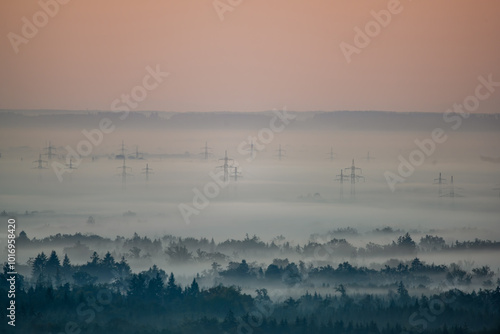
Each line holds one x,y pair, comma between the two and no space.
265,54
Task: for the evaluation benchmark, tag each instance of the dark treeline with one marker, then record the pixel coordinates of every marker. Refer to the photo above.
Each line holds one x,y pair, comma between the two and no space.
104,295
316,292
281,273
152,302
317,268
183,250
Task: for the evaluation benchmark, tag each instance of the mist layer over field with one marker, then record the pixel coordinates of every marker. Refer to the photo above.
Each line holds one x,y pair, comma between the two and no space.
296,196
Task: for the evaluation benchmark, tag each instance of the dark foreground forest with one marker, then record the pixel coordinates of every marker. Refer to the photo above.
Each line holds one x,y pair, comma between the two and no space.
62,298
150,306
104,295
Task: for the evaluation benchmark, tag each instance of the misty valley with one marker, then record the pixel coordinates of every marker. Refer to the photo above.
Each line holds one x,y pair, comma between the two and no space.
245,223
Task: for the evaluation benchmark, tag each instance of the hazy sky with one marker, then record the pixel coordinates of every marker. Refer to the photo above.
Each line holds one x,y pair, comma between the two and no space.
265,54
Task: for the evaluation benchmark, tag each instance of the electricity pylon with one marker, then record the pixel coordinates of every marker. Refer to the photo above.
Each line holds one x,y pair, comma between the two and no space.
280,152
206,151
236,174
354,177
122,154
70,165
452,192
147,171
50,151
368,157
331,155
228,163
138,155
124,174
440,181
341,178
41,163
252,150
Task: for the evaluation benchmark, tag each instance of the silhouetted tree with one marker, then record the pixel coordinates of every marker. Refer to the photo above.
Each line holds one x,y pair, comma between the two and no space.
83,278
178,254
194,289
406,244
404,296
39,266
53,264
155,287
137,286
273,272
173,290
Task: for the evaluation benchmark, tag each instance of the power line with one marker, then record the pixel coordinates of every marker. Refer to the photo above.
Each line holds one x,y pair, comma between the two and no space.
236,174
228,163
354,177
41,163
138,155
452,192
440,181
206,151
369,157
280,152
124,173
341,178
123,151
70,165
252,150
331,154
147,171
50,151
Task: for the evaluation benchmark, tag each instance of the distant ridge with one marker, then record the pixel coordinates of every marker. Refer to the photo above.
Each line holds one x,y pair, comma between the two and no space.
311,120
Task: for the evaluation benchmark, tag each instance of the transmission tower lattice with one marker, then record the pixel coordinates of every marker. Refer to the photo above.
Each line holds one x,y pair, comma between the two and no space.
206,151
124,173
452,192
70,165
354,177
331,154
280,152
123,151
138,155
147,171
41,163
369,157
227,164
440,181
341,178
50,151
235,173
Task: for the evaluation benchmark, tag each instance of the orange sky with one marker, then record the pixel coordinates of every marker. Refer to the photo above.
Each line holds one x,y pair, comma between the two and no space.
265,54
